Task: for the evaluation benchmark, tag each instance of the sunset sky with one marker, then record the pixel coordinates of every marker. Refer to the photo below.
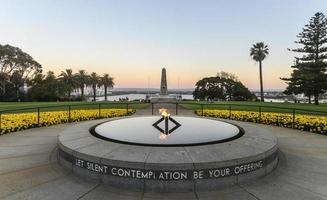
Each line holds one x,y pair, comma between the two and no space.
132,40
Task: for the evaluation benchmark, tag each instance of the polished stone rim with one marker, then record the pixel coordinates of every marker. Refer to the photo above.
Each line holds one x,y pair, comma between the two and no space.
238,135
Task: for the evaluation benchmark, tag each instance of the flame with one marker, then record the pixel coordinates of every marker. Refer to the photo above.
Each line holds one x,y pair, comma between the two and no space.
164,112
163,136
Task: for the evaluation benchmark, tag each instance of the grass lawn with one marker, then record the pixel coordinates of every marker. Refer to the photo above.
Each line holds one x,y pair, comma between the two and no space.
193,105
17,107
254,106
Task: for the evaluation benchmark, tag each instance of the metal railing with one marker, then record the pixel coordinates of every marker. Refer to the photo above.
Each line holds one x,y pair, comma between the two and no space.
69,108
259,109
273,115
199,106
238,107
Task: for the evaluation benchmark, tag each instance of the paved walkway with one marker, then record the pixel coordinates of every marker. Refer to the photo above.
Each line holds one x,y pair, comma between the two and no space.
29,170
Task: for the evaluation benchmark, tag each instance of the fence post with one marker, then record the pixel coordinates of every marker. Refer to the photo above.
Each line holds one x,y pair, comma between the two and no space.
152,107
68,113
259,113
202,110
176,108
0,122
293,123
230,111
99,110
127,108
38,116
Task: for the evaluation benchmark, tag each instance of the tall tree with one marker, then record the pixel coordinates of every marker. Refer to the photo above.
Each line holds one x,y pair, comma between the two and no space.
68,80
309,72
298,83
14,60
259,52
82,80
107,82
94,82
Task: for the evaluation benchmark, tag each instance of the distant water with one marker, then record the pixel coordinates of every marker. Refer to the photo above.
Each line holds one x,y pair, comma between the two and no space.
275,100
133,97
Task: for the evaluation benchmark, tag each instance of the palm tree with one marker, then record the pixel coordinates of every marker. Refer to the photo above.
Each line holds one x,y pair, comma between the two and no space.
259,52
94,82
81,79
107,82
69,81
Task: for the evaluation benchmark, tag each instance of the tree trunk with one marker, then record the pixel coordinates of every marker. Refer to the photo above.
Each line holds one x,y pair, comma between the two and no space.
261,82
69,95
94,93
316,99
105,93
3,84
82,93
309,99
17,94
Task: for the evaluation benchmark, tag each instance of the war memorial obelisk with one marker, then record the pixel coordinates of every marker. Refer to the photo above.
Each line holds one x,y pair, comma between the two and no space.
163,96
163,85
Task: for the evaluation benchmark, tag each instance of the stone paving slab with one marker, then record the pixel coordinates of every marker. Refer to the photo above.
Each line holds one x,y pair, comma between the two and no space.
22,162
18,181
64,188
229,193
25,150
104,192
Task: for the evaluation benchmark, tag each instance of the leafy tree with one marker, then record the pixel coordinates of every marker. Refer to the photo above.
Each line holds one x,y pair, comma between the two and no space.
35,85
259,52
51,81
208,88
4,79
94,82
227,75
14,60
241,93
82,79
227,81
17,82
107,82
68,80
44,87
309,72
224,87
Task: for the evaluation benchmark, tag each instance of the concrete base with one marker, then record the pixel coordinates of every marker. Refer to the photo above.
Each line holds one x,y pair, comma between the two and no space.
163,98
168,169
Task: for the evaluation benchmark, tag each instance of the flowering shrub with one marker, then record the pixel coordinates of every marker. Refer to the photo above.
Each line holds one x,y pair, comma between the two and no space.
316,124
21,121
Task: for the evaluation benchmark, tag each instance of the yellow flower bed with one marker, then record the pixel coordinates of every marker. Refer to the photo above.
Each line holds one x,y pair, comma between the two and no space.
316,124
21,121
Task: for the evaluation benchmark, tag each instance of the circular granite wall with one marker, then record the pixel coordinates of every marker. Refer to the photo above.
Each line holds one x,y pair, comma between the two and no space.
168,169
